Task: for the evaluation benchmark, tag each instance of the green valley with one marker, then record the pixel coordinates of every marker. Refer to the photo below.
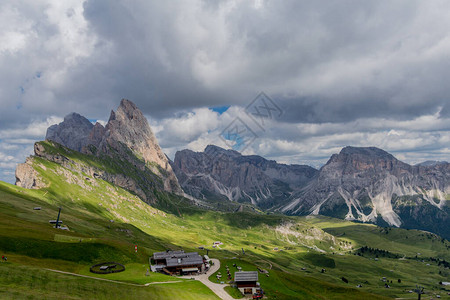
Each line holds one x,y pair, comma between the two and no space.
305,257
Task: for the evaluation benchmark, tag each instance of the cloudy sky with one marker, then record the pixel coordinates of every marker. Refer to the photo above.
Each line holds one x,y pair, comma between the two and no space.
362,73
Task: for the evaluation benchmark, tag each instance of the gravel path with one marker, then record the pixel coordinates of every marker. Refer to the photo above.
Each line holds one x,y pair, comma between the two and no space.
215,287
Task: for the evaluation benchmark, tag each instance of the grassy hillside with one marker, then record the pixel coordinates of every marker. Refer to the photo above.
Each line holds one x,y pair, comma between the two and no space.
19,281
106,222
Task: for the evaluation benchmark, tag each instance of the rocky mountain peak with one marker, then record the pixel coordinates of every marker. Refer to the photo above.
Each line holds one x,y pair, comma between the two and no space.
219,173
214,150
369,184
129,109
72,132
431,163
96,134
75,118
351,160
128,126
127,129
366,151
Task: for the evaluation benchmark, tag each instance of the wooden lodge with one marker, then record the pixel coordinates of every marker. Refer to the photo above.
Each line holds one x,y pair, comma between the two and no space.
177,262
247,282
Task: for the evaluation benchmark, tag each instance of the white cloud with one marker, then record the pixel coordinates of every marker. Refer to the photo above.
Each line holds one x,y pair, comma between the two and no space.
424,138
5,158
189,126
42,41
35,129
364,73
17,144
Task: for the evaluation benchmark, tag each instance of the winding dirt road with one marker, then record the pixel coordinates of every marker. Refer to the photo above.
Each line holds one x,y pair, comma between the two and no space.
215,287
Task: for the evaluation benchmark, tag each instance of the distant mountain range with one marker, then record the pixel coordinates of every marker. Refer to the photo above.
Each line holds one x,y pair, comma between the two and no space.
363,184
227,175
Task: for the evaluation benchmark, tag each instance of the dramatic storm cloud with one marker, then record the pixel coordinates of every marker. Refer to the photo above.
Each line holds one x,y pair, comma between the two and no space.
363,73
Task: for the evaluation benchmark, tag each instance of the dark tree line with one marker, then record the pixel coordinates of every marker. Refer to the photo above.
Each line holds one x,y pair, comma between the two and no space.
368,251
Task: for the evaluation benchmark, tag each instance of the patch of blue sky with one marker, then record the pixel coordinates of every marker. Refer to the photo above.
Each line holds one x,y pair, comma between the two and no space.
240,143
237,142
220,109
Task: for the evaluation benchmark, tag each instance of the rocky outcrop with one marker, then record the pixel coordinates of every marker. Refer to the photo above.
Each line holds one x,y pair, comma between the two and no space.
369,184
128,129
73,132
95,136
365,184
27,177
125,153
227,175
123,179
127,136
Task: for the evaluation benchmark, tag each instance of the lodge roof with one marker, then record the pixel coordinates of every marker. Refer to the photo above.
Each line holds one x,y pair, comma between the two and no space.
184,261
172,254
245,276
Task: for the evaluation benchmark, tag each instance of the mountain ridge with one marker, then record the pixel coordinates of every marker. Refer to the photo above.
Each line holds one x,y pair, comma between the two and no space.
228,175
127,139
364,184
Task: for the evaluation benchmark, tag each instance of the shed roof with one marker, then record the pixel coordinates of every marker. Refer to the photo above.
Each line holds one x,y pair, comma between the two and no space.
245,276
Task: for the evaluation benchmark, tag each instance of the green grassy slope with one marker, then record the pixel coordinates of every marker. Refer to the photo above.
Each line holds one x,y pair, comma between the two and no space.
37,244
19,282
282,245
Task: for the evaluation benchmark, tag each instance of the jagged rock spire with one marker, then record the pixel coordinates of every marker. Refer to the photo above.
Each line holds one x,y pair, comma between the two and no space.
72,132
126,127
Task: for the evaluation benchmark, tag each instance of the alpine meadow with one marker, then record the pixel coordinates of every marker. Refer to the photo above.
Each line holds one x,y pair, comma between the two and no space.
227,149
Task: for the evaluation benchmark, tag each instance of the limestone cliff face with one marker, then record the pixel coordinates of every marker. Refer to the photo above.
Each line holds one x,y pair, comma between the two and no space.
127,139
95,136
365,184
72,132
369,184
228,175
128,127
27,177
